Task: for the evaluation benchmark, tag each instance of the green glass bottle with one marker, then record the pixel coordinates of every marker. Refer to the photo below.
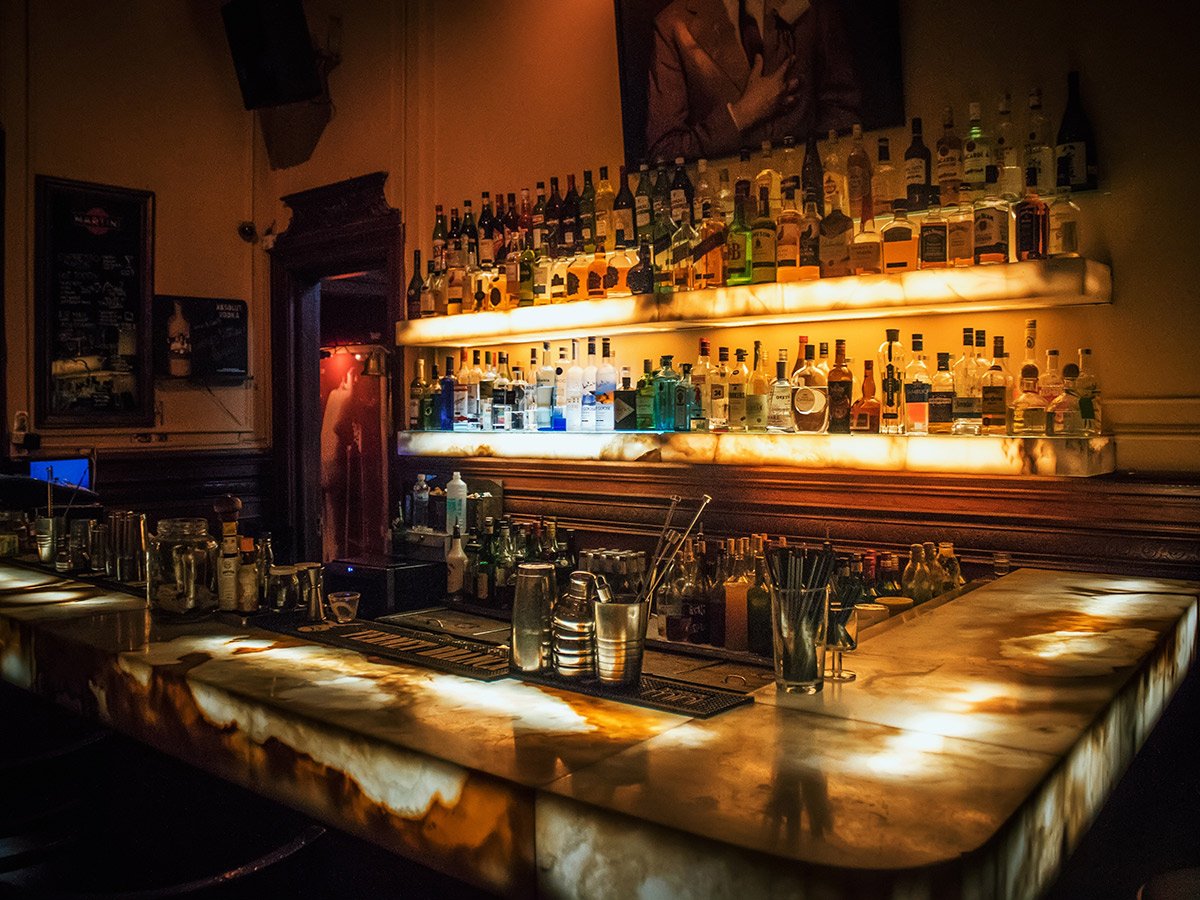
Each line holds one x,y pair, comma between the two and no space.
665,381
645,398
758,606
739,242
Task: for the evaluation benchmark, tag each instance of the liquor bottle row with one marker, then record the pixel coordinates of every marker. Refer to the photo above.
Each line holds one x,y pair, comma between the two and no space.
899,393
783,220
482,565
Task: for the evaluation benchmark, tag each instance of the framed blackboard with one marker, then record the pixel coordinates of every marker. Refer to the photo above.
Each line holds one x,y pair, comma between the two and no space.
205,339
93,283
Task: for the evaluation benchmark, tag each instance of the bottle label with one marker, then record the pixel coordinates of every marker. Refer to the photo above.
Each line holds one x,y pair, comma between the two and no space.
890,385
995,404
965,407
960,240
840,401
679,204
737,404
763,254
809,401
787,245
835,254
1063,234
865,257
756,411
623,224
933,244
915,172
601,228
708,244
1031,233
736,250
941,407
949,165
641,204
991,231
1075,153
810,245
779,415
916,392
976,163
595,283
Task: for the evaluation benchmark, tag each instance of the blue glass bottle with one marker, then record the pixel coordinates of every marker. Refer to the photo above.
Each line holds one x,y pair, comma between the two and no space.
665,381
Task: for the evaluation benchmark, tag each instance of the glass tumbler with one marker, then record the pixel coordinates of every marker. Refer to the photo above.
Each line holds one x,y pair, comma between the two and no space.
799,621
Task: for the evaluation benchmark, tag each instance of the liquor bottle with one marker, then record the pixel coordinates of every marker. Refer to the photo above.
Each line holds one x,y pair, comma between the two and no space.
1088,390
968,417
605,198
1076,142
685,399
725,197
682,193
1050,382
834,172
737,379
858,171
640,278
701,383
810,396
809,259
1030,345
470,377
487,382
525,268
1063,416
501,413
619,266
1007,151
512,221
545,379
1063,239
560,264
554,214
917,581
412,301
933,240
703,191
487,233
708,255
431,402
835,235
577,272
960,235
994,392
504,568
769,177
941,397
779,408
416,390
789,166
537,219
948,169
606,387
916,389
900,241
587,412
573,397
643,203
718,390
893,369
596,273
470,236
681,276
802,344
558,413
758,392
918,171
625,403
887,184
568,229
823,357
841,391
439,238
451,398
1029,408
738,244
542,270
744,174
787,238
586,228
660,193
864,414
812,176
1039,154
665,380
993,221
1033,221
531,406
762,231
979,168
866,252
645,398
758,606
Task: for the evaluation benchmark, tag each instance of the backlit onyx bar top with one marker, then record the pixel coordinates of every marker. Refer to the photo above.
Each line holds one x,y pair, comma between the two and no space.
978,742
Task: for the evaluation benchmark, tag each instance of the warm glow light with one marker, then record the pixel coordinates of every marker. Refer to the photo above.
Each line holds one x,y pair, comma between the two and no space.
874,452
1026,285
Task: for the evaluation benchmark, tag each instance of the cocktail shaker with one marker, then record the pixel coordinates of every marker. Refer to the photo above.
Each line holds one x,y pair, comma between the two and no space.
574,626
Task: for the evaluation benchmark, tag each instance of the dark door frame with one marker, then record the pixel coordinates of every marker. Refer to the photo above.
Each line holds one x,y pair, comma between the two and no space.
335,229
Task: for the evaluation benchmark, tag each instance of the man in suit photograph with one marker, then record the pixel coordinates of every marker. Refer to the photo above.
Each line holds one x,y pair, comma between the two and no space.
728,74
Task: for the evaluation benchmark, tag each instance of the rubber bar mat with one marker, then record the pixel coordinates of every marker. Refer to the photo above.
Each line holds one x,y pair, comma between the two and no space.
434,650
652,691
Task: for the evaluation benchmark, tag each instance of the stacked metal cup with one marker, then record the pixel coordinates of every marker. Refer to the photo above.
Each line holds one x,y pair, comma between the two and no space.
620,641
574,628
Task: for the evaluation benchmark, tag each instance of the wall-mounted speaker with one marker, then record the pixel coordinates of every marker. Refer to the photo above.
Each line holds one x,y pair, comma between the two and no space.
272,51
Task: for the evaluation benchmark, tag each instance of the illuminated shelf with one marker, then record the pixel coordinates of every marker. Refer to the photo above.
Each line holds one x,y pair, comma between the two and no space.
945,454
1037,284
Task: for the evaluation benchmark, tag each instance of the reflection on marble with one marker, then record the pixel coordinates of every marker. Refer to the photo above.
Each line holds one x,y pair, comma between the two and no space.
1025,285
874,452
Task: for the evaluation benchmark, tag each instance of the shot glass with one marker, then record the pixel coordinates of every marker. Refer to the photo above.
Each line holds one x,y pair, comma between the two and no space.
344,606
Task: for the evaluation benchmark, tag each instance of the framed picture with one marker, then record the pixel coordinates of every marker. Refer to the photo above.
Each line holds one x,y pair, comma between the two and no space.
706,78
205,339
93,286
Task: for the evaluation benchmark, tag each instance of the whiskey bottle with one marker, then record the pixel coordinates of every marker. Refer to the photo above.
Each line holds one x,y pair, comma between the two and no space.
949,167
738,376
683,244
864,414
779,412
1076,145
834,171
893,369
1033,221
992,227
702,193
718,388
739,257
810,396
916,389
941,397
960,235
899,238
660,250
623,212
968,417
834,239
758,392
660,194
1063,238
809,266
625,404
787,239
431,402
416,390
933,248
841,391
866,252
918,171
887,184
763,239
858,172
641,276
708,254
994,393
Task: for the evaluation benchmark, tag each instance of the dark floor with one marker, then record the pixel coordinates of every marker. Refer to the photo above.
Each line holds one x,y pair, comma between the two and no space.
1151,824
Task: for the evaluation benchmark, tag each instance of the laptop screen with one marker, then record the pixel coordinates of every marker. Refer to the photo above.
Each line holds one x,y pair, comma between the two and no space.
72,471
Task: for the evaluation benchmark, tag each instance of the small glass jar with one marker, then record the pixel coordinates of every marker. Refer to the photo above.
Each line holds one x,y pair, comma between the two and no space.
182,569
283,589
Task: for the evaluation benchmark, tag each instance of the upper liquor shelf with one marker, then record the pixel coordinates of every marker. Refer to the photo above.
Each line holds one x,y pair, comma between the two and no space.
1039,284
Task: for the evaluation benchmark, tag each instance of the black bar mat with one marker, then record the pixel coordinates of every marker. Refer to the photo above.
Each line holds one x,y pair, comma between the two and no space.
434,650
653,692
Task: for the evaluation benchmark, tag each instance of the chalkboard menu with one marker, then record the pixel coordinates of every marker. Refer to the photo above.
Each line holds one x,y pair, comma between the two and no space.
205,339
93,285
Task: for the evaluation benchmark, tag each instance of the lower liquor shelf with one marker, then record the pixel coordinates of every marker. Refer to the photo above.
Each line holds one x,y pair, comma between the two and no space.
944,454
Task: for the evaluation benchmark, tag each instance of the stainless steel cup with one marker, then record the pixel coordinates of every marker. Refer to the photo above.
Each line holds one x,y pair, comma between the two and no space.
620,641
48,530
533,606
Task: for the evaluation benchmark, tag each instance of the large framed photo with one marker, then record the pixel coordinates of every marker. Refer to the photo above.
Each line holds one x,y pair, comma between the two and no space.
706,78
93,286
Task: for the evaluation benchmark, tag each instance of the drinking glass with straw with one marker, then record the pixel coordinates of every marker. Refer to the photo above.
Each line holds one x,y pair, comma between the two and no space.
798,581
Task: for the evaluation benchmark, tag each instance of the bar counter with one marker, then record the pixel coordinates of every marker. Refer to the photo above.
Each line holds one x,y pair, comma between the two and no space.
973,750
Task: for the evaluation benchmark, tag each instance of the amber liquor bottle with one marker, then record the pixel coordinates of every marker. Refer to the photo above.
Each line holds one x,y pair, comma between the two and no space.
841,391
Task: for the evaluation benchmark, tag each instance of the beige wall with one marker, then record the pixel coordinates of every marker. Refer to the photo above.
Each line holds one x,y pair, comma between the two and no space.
456,98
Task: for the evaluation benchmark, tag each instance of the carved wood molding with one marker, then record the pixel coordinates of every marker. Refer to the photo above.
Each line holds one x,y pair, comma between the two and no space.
336,206
1108,524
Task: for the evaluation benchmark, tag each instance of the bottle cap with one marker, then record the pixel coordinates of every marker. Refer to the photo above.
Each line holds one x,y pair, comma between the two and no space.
893,334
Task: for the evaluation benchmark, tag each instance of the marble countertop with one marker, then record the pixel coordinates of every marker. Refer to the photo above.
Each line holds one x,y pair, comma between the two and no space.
979,740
